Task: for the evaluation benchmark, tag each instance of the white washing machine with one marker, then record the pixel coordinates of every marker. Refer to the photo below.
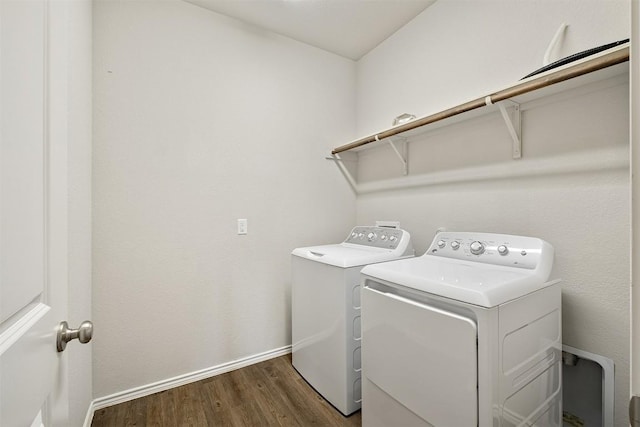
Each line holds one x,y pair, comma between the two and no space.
469,334
325,309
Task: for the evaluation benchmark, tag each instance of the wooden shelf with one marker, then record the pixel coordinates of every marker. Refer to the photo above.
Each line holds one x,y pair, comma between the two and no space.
587,70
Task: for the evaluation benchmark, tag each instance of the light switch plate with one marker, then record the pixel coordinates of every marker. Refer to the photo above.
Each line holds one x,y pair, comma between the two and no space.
242,226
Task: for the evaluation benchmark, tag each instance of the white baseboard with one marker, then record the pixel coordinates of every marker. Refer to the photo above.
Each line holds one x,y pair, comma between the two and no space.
89,418
145,390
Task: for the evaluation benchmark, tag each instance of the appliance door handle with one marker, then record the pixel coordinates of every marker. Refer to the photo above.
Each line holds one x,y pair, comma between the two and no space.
420,305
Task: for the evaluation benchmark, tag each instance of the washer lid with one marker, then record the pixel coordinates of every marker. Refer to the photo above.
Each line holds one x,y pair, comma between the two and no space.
364,245
347,255
476,283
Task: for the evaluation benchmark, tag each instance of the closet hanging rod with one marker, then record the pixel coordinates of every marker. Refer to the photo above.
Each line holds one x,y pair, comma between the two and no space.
574,70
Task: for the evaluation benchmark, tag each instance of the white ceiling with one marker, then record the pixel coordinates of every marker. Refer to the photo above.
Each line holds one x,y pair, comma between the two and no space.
349,28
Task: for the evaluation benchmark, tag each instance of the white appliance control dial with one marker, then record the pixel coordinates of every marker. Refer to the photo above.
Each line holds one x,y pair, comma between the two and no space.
393,238
360,235
507,250
383,237
441,244
476,248
354,235
371,236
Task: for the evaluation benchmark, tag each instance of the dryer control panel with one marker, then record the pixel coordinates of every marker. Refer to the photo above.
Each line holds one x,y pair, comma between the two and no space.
490,248
377,237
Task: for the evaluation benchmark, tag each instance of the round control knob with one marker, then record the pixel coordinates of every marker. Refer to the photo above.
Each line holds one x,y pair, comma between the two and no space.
360,235
354,235
441,244
383,237
455,245
393,238
371,236
476,248
503,250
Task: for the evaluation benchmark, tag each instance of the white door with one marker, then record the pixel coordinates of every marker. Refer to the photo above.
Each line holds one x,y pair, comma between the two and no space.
33,211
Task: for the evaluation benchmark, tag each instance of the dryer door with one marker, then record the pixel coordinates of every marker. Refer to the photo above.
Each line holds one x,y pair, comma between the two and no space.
419,363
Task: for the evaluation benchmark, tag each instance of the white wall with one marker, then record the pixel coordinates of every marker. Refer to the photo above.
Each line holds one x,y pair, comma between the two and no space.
79,170
200,120
456,51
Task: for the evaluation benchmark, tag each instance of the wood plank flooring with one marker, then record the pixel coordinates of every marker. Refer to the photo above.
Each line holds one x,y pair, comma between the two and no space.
269,393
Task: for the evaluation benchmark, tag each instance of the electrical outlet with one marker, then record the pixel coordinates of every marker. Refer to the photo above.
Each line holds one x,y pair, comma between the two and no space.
242,226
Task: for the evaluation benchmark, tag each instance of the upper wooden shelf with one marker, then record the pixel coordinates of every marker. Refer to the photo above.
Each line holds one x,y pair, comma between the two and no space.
570,71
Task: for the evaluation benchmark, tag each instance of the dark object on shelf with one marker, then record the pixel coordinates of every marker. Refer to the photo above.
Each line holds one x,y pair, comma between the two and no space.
575,57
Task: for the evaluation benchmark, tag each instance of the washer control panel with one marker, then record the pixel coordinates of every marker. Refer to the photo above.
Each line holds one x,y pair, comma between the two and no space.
377,237
490,248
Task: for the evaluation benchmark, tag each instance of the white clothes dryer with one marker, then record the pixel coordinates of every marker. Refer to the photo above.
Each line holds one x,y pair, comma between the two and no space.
325,309
469,334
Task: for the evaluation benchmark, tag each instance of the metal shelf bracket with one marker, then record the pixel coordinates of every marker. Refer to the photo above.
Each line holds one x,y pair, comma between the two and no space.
402,156
345,171
512,120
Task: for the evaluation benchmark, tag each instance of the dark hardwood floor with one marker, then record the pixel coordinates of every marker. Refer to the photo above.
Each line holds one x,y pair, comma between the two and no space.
269,393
